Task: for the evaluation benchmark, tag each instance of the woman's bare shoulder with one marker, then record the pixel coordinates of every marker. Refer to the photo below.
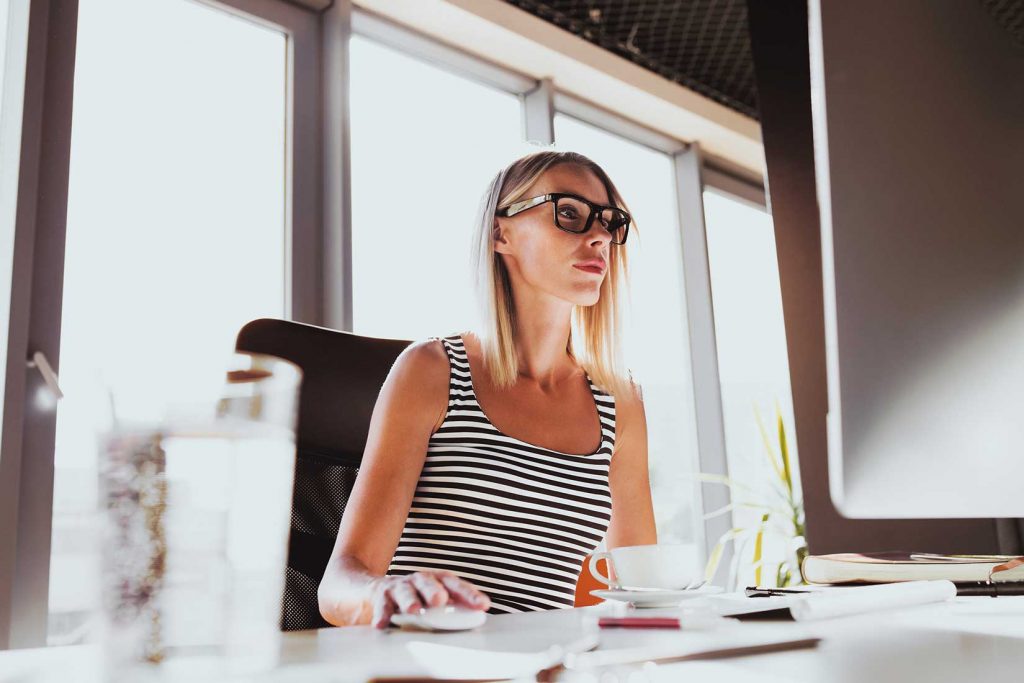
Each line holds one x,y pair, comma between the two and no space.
423,363
421,374
415,391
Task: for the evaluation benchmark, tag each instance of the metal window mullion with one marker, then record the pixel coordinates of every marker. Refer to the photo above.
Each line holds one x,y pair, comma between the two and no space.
336,237
304,164
613,122
432,51
539,113
29,425
10,455
302,155
740,183
707,389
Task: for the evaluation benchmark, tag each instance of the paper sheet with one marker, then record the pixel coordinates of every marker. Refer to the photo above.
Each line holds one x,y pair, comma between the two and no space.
451,661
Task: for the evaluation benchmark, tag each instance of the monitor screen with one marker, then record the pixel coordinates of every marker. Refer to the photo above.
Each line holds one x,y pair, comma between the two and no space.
918,110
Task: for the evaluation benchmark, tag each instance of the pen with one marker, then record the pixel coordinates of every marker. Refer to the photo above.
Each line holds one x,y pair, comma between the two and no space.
994,589
756,592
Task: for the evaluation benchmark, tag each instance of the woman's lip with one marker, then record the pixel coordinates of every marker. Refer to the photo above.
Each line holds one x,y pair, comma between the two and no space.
591,269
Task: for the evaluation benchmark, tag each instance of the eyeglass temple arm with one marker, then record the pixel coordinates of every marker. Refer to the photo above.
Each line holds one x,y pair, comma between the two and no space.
513,209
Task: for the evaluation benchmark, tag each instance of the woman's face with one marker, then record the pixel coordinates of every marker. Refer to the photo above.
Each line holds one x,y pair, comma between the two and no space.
547,259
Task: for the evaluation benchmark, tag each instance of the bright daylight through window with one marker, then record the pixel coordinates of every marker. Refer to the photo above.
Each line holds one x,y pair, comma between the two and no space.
175,232
754,371
655,334
419,168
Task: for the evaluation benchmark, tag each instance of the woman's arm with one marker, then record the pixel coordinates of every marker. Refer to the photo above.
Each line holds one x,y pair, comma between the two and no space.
354,589
632,520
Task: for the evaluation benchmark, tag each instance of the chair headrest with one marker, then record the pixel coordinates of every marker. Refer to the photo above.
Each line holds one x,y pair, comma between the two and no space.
342,376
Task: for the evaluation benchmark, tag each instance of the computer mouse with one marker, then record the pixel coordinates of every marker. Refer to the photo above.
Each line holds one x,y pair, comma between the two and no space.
443,618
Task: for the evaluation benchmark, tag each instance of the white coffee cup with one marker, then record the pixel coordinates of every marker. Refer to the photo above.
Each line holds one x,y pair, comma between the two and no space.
665,566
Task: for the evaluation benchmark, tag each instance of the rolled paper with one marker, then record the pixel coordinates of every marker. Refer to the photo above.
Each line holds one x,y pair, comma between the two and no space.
840,602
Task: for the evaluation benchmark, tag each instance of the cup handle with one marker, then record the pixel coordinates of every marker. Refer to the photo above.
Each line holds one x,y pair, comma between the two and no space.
596,573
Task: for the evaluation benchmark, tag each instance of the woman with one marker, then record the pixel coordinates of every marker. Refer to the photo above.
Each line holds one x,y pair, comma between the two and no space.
448,506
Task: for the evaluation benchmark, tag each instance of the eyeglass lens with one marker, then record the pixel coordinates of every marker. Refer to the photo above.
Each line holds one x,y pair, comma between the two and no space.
572,214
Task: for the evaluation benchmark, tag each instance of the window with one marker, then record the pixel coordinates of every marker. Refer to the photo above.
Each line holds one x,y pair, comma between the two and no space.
425,144
4,11
10,137
176,231
180,227
656,341
752,360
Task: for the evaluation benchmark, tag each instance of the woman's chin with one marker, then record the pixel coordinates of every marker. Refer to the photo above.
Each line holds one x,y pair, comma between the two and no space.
581,293
587,298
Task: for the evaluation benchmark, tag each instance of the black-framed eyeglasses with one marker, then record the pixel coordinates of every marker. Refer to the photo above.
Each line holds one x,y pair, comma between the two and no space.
576,214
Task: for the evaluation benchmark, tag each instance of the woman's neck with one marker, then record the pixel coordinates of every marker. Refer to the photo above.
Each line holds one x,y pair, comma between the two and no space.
541,352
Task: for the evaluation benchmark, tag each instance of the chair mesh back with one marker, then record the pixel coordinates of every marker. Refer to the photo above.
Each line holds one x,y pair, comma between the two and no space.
319,498
342,376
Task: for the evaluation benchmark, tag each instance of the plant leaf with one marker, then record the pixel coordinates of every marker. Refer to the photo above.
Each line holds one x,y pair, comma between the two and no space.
741,543
721,479
767,444
784,449
741,504
778,487
758,544
783,575
712,566
733,535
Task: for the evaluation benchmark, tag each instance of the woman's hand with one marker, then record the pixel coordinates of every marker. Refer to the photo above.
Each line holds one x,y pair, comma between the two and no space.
410,593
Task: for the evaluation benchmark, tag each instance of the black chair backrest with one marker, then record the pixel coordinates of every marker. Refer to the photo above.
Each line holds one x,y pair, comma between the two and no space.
342,377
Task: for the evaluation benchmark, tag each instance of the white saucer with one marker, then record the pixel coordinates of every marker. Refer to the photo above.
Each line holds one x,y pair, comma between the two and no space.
665,598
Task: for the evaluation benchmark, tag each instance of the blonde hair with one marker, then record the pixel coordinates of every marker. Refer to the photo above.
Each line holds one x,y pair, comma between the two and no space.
594,330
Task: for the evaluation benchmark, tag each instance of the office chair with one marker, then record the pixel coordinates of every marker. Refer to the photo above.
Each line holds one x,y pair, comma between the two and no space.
342,376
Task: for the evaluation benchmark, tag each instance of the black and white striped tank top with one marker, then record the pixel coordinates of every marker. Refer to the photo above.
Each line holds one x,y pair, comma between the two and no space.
514,519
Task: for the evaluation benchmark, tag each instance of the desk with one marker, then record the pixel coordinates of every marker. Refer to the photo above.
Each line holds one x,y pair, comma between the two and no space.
968,639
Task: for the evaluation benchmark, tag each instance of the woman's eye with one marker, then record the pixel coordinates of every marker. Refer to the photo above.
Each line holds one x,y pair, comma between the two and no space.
568,212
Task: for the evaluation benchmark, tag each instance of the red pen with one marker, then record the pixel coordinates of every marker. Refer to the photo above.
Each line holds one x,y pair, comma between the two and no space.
639,622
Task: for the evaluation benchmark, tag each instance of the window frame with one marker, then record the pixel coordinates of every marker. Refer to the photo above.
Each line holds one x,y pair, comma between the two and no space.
693,173
739,187
34,322
27,444
318,240
726,177
342,21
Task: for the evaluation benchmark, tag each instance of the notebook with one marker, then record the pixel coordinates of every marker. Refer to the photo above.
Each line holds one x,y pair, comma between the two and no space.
897,566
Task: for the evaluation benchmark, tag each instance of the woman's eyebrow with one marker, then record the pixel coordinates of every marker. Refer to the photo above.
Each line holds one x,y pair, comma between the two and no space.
578,194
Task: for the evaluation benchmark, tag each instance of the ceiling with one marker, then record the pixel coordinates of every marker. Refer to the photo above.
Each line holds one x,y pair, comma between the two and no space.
701,44
1010,15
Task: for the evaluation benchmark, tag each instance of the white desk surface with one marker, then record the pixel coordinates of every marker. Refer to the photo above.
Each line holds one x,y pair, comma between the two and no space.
968,639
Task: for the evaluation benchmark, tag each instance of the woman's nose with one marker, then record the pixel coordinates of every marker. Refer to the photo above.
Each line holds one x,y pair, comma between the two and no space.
599,235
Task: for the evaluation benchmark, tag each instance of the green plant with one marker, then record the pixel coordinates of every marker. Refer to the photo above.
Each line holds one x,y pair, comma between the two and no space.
782,515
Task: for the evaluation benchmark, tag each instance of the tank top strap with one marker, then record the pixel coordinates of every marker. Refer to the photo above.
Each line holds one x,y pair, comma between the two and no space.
605,403
445,342
460,384
454,349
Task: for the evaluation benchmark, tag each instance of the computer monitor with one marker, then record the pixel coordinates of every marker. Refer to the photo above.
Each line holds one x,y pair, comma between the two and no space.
918,110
